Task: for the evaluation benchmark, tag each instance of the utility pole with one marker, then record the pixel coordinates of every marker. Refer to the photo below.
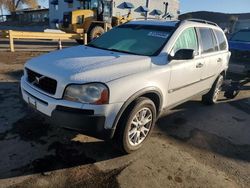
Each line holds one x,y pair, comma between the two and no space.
166,10
1,8
147,5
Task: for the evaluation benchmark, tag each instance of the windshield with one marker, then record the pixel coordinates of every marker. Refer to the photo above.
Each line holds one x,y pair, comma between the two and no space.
243,36
134,39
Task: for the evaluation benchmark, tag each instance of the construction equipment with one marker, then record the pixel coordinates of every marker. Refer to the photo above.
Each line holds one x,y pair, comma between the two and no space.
95,17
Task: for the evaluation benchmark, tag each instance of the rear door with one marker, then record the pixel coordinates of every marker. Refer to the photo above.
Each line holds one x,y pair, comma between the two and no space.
223,49
211,54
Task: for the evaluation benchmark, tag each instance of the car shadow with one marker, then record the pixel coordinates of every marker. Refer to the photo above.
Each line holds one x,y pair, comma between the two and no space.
30,144
207,128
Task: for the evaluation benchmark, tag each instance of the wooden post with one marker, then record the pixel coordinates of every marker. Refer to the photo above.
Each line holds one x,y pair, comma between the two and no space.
12,49
105,27
85,38
59,44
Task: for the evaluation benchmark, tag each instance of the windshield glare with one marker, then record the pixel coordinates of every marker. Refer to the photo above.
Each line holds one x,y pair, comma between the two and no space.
134,39
243,36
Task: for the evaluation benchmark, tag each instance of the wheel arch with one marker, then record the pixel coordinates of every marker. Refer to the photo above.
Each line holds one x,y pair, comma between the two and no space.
224,73
151,93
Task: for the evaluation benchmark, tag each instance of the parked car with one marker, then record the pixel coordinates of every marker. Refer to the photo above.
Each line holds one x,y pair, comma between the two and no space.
239,45
119,84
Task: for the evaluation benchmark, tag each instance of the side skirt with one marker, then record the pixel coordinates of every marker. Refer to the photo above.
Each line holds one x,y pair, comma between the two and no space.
181,102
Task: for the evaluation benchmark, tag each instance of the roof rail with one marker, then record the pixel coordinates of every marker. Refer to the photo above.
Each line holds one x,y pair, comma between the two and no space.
149,18
201,21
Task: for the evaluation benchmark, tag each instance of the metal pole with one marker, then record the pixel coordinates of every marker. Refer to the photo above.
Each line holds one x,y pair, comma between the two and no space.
12,49
147,5
85,38
105,27
59,44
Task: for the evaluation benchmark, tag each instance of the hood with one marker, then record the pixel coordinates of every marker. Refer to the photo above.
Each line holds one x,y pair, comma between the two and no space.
83,64
238,45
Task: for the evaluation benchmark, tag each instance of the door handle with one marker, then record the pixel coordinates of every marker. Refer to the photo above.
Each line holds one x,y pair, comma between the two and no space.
199,65
219,60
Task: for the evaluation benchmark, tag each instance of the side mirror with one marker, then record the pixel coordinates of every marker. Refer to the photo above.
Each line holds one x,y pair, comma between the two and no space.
183,54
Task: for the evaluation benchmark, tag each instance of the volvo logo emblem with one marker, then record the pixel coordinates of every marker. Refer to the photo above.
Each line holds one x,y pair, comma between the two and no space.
38,79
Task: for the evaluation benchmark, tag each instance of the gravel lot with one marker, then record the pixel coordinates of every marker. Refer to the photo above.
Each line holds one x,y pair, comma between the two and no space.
192,145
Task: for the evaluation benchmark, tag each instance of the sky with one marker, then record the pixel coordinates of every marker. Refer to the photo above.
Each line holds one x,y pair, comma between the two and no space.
225,6
44,3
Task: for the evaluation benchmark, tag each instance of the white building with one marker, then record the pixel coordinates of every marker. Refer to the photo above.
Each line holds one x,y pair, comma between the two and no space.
57,8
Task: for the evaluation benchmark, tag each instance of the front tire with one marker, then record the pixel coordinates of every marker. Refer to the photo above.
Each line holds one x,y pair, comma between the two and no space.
213,95
95,32
80,42
136,125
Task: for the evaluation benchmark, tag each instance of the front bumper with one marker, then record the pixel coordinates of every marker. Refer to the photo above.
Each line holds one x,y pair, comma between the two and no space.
92,120
240,62
83,121
239,68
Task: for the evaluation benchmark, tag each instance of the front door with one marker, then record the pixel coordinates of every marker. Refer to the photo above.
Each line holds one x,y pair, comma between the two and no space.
185,74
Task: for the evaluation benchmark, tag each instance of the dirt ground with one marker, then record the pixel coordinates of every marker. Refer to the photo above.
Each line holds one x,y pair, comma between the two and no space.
192,145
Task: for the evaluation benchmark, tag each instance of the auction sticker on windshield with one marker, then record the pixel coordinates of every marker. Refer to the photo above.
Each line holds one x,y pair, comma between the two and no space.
158,34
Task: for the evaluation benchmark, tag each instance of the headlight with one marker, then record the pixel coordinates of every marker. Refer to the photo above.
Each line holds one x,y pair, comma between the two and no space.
94,93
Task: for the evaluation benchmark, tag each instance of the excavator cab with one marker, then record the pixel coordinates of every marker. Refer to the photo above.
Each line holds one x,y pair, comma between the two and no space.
91,18
104,11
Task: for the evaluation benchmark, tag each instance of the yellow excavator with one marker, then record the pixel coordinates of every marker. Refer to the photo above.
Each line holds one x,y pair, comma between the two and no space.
92,19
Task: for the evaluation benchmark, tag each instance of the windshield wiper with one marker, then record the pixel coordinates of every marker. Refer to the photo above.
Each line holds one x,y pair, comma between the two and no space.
116,50
111,49
94,46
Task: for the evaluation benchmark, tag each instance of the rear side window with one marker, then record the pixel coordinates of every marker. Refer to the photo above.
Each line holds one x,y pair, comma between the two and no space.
216,45
187,40
208,41
221,39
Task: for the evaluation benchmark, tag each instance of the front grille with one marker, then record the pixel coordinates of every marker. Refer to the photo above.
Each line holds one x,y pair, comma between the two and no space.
240,56
42,82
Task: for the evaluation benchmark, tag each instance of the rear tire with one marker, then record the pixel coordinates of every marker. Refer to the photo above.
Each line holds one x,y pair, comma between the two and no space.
212,96
135,125
80,42
95,32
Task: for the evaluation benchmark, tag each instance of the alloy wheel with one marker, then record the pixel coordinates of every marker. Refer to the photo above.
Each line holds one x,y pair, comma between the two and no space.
140,126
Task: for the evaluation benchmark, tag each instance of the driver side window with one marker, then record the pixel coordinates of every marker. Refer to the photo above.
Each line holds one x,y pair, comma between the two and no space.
187,40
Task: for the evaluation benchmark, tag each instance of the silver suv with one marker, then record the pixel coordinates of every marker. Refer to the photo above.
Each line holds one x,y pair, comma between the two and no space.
119,84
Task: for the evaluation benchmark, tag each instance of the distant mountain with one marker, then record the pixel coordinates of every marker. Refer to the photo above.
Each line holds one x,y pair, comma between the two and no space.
214,16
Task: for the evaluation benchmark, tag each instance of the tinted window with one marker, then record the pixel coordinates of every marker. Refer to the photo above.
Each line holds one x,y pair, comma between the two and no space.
207,40
221,39
216,45
187,40
242,36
